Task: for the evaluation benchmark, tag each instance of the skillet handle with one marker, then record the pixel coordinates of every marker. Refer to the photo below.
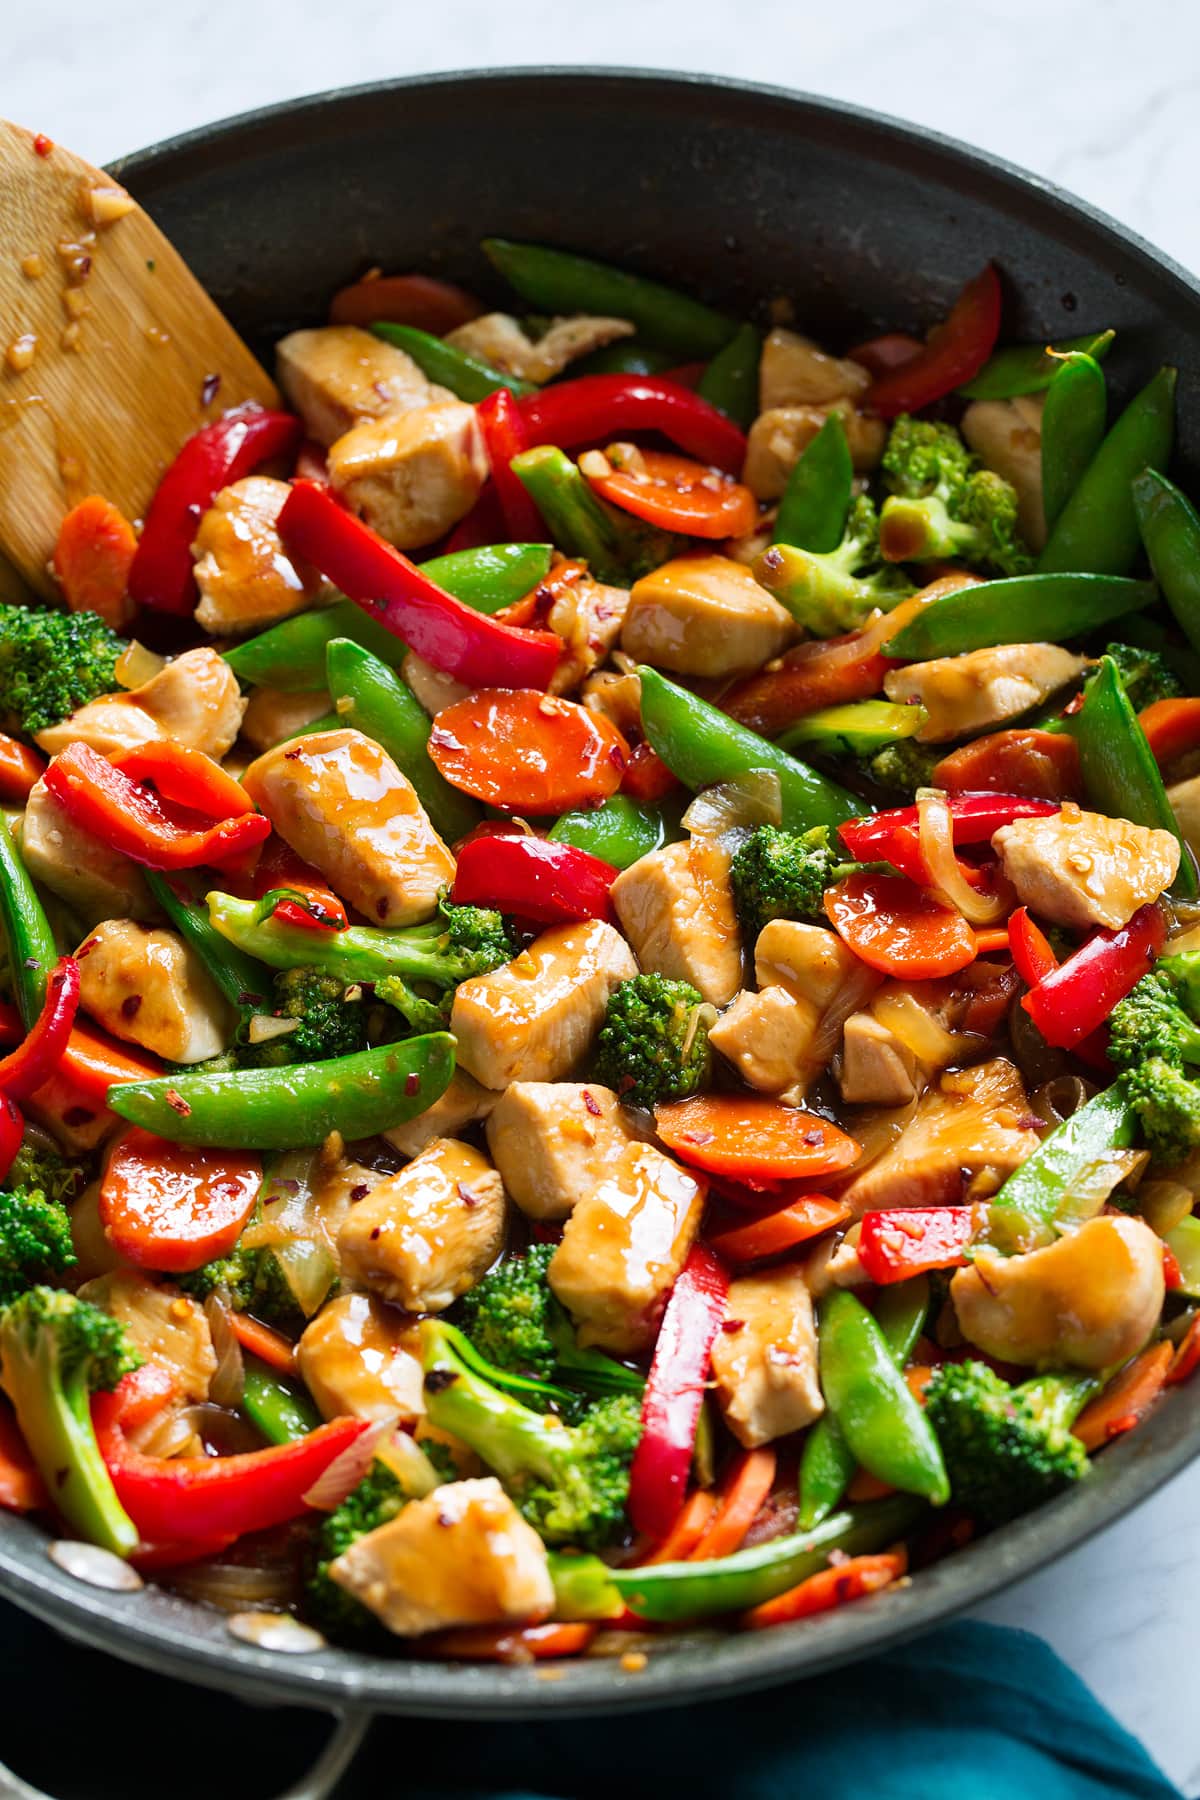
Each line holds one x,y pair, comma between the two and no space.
317,1783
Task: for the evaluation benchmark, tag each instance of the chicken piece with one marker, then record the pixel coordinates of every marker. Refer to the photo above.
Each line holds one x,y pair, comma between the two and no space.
793,371
704,615
412,475
432,687
678,927
588,617
1006,435
166,1326
194,701
462,1556
553,1141
810,961
423,1237
275,715
768,1037
615,696
462,1103
342,804
245,576
778,438
623,1246
96,881
337,376
356,1358
1090,1301
534,1018
148,987
766,1369
974,1120
1080,868
876,1069
972,693
500,340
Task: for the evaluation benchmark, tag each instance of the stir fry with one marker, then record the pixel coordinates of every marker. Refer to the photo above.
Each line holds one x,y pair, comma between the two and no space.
602,978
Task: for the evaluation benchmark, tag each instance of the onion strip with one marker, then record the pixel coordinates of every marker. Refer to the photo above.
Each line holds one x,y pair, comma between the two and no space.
947,881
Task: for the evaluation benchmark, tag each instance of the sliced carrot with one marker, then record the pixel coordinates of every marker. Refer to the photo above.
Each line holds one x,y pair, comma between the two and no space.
94,1061
827,673
96,545
1187,1356
687,1530
261,1340
990,942
775,1232
1127,1399
672,492
743,1493
504,1644
20,770
1043,765
752,1138
896,927
171,1208
828,1588
527,751
21,1487
918,1377
647,776
865,1486
420,300
1172,728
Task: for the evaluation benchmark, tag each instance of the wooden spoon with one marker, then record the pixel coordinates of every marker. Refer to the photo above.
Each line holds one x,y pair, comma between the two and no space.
111,353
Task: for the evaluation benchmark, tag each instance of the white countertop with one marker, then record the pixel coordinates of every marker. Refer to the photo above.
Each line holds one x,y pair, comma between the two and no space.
1100,97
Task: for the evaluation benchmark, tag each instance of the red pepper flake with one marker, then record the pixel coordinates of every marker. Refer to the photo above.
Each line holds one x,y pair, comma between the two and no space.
592,1104
729,1326
131,1006
383,907
291,755
376,1232
616,757
412,1083
42,145
208,389
359,1191
176,1102
468,1199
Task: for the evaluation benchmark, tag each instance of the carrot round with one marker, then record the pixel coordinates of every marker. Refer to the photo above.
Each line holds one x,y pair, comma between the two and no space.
1042,765
527,751
92,558
896,927
167,1207
420,300
20,770
753,1139
775,1232
743,1494
1127,1399
673,492
828,1588
94,1061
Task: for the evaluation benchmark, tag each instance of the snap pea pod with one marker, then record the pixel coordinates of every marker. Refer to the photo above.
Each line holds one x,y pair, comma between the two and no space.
1024,609
1120,775
1097,529
1170,528
828,1463
32,952
245,982
730,381
492,576
872,1404
669,1593
617,547
297,1106
628,356
619,831
1029,368
556,281
359,953
1073,421
583,1588
855,729
281,1410
1043,1181
816,500
372,698
701,745
470,377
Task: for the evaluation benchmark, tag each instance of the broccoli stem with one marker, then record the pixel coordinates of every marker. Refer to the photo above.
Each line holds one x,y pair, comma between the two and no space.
512,1440
615,547
53,1411
360,953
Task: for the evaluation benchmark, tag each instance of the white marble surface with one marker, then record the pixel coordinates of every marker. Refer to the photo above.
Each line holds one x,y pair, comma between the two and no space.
1101,97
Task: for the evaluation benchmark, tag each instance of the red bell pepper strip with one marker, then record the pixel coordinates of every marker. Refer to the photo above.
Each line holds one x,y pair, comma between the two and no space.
33,1062
895,835
534,878
1031,949
505,435
675,1392
304,897
12,1130
484,524
187,778
1075,999
104,800
912,1240
1172,728
218,454
953,354
595,409
475,649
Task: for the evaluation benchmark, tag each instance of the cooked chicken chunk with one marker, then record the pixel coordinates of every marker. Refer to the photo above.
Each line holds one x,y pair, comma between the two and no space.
764,1360
96,881
342,804
876,1068
246,578
462,1103
552,1141
534,1018
977,1119
500,340
274,715
588,617
779,437
768,1037
1091,1300
150,988
678,927
462,1556
1083,868
194,701
810,961
704,615
412,475
793,371
337,376
1006,435
623,1246
965,694
168,1327
426,1235
356,1357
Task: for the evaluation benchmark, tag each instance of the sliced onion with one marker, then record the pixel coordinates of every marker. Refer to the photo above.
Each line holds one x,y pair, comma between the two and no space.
409,1464
221,1432
739,806
265,1026
1090,1188
229,1379
857,988
917,1029
168,1433
136,665
233,1586
876,1131
947,880
347,1470
1164,1203
310,1272
1059,1097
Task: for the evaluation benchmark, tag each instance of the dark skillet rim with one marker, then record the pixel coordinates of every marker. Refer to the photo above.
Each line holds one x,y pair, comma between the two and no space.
158,1631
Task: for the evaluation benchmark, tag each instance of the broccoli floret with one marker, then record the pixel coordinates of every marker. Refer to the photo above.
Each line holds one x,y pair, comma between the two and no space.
835,591
1168,1108
783,875
903,767
53,662
1150,1022
1153,1039
254,1282
570,1481
330,1024
941,503
377,1498
35,1241
58,1351
653,1044
1006,1448
37,1166
1144,675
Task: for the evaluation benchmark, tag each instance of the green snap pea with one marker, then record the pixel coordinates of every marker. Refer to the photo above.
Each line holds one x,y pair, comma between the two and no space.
469,376
816,500
583,1588
557,281
1183,1240
619,831
1073,421
872,1404
1097,529
617,547
1024,609
1039,1187
281,1410
1170,528
628,356
293,1107
245,982
492,576
32,952
1029,368
373,699
856,729
730,381
701,746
